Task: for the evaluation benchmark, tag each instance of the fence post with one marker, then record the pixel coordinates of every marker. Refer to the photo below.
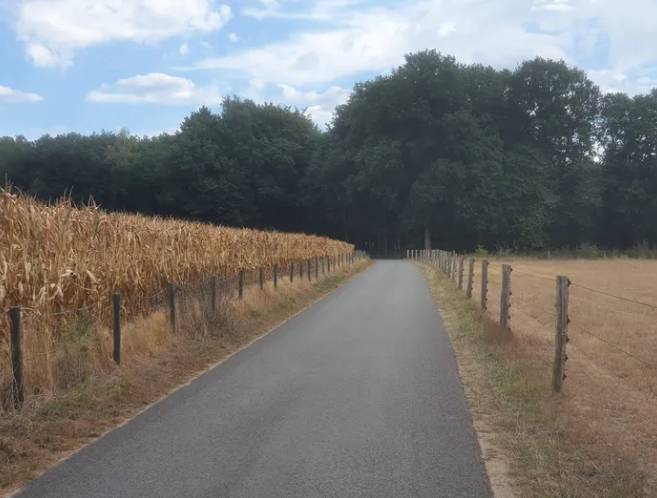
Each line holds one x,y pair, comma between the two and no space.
262,278
468,292
213,294
240,285
505,300
448,264
484,285
561,333
18,390
116,305
291,272
408,254
276,276
309,269
172,306
461,272
454,265
328,264
323,263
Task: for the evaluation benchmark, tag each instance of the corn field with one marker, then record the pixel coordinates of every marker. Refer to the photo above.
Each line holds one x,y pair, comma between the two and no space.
58,257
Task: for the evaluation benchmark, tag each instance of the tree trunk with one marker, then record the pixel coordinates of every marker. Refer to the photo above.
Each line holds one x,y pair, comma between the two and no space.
427,238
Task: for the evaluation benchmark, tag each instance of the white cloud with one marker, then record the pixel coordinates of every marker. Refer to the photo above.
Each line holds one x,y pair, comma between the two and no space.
184,49
54,30
351,39
318,105
553,6
156,88
233,37
14,96
44,57
269,9
374,39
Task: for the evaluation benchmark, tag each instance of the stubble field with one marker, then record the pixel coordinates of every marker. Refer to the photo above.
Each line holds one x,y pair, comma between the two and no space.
610,393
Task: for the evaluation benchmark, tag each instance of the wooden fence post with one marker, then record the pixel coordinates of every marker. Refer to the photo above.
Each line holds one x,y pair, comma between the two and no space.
461,265
484,285
468,292
505,300
116,308
262,278
213,294
240,285
276,276
291,272
172,306
454,265
561,333
18,386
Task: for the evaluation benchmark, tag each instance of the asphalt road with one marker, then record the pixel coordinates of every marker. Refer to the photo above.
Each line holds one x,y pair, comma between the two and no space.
358,396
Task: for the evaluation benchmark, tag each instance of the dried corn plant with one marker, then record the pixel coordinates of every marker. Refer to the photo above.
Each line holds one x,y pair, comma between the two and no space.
57,257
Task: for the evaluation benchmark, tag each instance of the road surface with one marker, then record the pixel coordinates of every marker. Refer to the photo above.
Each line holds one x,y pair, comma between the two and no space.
358,396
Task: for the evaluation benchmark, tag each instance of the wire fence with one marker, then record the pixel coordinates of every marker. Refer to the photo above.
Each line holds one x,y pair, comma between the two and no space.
592,342
41,348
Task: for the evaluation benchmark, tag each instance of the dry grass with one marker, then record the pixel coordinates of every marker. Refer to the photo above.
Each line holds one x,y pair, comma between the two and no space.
55,259
585,443
615,392
155,360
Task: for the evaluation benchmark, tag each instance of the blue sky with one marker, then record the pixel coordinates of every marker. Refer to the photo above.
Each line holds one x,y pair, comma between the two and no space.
87,65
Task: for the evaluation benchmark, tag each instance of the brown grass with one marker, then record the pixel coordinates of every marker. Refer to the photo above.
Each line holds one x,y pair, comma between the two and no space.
100,396
585,443
615,392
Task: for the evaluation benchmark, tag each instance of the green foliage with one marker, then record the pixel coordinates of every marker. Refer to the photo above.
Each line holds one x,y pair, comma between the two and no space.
480,251
461,156
588,251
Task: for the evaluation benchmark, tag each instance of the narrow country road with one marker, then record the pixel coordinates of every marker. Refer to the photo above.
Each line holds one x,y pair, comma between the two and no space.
358,396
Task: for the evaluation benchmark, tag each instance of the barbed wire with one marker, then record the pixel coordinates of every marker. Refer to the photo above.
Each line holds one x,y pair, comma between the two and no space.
608,389
532,275
586,331
618,397
547,312
546,360
613,295
76,311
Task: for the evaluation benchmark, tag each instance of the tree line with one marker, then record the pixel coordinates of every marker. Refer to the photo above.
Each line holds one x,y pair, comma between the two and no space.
436,152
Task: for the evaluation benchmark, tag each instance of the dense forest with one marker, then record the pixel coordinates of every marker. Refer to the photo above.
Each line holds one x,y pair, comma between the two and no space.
437,152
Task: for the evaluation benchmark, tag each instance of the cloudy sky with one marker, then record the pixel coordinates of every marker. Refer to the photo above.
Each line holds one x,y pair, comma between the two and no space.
87,65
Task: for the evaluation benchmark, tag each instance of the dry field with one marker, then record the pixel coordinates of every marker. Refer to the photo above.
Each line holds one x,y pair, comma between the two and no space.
609,403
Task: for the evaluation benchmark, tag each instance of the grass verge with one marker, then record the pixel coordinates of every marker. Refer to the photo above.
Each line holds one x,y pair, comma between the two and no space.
534,444
48,430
